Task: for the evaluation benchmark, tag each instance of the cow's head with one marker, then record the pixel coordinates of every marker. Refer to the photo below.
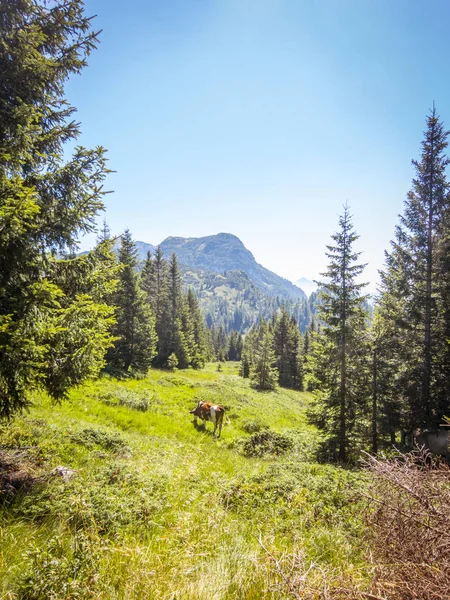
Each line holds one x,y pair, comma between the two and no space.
197,410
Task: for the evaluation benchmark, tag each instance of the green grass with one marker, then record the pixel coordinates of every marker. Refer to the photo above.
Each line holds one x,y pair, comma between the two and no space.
160,509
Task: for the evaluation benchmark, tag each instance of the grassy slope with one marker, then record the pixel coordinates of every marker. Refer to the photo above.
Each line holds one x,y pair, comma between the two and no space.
160,509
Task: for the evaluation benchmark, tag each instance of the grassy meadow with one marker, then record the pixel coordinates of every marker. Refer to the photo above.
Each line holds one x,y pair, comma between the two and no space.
150,506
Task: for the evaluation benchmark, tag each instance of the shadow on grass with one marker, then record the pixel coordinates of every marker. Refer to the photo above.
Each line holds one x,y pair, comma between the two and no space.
201,428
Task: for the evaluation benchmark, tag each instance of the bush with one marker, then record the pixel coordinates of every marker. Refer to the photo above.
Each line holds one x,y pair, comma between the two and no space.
127,398
253,425
267,442
409,515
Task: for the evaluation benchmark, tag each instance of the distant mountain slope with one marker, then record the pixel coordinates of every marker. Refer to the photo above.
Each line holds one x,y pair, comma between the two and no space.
224,252
143,248
232,300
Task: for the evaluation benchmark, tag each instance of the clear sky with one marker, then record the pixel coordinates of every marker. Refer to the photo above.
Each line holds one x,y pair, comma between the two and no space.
262,117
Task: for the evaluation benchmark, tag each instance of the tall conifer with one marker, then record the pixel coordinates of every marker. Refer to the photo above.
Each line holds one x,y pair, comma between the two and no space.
135,328
340,350
48,198
263,372
415,286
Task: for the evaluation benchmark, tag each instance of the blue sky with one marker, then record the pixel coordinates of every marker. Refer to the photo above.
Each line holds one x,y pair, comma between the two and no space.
263,117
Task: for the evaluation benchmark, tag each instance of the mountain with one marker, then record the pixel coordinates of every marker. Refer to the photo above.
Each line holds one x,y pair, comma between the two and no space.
224,252
233,290
306,285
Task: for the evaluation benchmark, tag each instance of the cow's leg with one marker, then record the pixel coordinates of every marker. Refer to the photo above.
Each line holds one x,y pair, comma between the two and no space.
220,425
213,418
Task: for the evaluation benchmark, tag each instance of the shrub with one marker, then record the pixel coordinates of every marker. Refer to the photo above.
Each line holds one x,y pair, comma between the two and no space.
253,425
97,437
62,570
127,398
267,442
409,515
172,362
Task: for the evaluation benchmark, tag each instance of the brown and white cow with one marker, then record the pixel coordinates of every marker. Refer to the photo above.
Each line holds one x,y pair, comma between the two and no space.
207,411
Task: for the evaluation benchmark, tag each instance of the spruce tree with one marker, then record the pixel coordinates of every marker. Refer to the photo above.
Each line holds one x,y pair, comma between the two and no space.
135,328
177,331
339,361
263,372
286,347
161,307
148,282
414,300
199,350
47,200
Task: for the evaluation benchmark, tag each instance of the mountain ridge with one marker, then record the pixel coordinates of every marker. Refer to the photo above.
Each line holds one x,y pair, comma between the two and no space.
223,252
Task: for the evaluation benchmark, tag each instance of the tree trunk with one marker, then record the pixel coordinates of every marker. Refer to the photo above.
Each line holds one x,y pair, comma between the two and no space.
426,381
374,405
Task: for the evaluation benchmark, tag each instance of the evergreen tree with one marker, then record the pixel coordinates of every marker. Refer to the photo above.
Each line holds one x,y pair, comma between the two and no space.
46,202
159,299
286,347
235,346
263,373
414,300
340,353
176,335
104,233
148,282
221,343
135,329
199,350
387,411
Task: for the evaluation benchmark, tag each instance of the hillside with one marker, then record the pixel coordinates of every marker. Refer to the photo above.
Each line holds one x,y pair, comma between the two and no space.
116,494
232,300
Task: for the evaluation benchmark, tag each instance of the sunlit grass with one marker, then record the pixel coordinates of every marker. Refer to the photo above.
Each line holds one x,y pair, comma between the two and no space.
162,508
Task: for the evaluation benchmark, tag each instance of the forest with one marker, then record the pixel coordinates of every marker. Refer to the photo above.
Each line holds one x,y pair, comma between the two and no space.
104,481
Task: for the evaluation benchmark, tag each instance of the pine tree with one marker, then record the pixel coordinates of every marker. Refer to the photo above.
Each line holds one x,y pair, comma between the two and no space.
263,373
104,234
247,354
176,332
159,299
235,346
340,353
46,202
414,300
199,350
286,347
135,329
148,282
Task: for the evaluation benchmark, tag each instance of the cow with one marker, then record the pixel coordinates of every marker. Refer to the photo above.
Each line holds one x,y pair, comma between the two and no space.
209,412
436,441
